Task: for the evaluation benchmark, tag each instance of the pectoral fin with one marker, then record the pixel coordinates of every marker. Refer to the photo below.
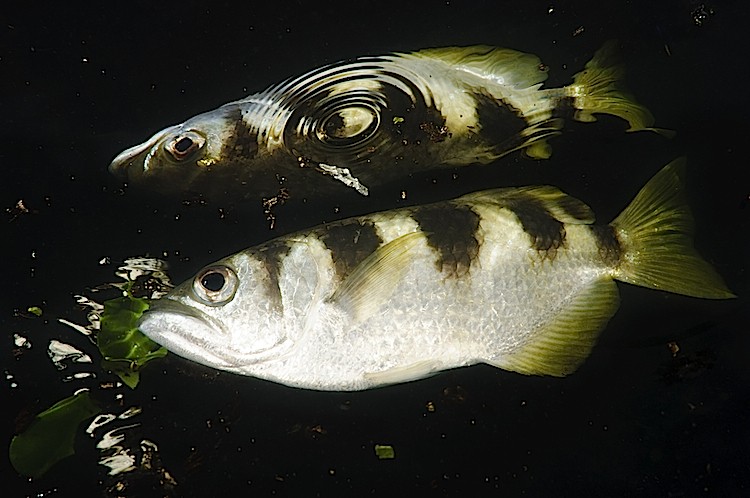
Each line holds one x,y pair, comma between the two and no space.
559,347
373,281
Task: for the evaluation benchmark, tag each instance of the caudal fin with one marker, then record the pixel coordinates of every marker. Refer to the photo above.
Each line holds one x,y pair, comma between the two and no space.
656,233
595,91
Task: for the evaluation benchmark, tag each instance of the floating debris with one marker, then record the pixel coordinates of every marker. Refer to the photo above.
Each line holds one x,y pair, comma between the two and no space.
270,203
35,310
674,348
702,13
17,210
385,452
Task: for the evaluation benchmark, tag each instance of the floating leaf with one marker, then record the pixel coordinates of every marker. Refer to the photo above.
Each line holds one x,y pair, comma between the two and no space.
125,349
35,310
51,435
385,451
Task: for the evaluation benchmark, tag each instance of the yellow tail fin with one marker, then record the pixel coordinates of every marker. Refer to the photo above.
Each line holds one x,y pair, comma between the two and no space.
595,91
656,232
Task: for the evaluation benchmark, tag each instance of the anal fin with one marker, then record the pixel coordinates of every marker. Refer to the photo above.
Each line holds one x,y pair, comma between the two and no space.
559,347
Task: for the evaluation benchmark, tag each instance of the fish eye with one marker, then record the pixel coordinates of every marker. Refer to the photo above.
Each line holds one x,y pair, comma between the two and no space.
215,285
185,145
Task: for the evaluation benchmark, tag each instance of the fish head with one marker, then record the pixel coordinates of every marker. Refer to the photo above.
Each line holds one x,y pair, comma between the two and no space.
222,318
178,157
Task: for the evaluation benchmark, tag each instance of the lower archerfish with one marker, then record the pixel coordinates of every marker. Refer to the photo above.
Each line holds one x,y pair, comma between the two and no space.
360,124
518,278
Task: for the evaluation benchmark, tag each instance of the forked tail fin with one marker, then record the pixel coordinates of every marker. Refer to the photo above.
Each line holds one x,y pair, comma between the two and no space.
595,90
656,233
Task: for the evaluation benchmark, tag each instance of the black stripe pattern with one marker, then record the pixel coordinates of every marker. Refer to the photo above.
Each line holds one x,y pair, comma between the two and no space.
547,233
453,234
272,256
243,144
349,242
499,124
608,244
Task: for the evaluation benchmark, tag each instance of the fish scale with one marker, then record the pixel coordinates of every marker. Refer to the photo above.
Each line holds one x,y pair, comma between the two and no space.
288,312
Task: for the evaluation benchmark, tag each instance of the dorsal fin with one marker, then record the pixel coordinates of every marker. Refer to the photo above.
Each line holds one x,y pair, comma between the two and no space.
558,204
503,66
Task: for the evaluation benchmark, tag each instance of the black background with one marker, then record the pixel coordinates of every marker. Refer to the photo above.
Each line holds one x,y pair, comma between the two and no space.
82,82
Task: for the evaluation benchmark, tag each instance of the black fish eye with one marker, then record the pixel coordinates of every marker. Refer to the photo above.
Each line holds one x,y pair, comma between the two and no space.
185,145
215,285
213,281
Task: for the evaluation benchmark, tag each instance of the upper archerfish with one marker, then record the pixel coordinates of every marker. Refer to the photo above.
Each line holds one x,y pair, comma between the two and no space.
362,123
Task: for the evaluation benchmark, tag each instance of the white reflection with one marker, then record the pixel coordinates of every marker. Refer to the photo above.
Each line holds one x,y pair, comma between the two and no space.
122,461
59,352
79,375
99,421
130,412
21,342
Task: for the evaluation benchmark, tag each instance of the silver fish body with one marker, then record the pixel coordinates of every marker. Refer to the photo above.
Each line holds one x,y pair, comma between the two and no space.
364,123
518,278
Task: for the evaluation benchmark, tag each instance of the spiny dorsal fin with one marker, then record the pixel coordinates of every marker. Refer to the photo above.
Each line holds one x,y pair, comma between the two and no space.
372,282
559,347
560,205
503,66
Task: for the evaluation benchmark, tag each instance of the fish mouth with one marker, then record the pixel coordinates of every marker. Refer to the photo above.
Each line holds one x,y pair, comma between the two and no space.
123,163
174,307
189,332
185,331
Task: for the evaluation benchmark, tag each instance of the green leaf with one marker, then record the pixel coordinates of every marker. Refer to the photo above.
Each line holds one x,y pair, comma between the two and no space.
51,435
385,451
35,310
125,349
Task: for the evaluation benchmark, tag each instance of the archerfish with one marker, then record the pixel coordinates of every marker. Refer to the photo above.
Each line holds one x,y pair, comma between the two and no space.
518,278
362,123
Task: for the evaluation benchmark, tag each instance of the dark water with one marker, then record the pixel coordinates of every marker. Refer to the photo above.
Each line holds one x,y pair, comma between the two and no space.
80,84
